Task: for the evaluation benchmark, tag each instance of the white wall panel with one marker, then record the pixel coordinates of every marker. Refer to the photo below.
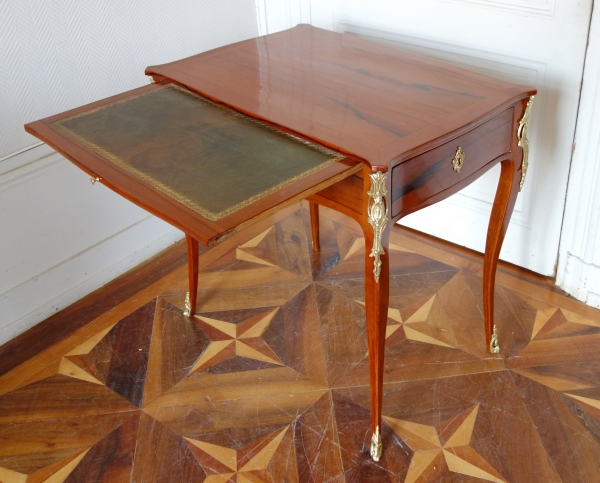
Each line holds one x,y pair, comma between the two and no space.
529,7
537,42
61,237
277,15
59,54
579,256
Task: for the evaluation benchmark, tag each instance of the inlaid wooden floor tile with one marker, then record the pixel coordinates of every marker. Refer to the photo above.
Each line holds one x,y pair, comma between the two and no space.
268,381
540,333
110,459
463,428
431,336
40,449
59,396
266,458
565,404
116,357
254,438
163,456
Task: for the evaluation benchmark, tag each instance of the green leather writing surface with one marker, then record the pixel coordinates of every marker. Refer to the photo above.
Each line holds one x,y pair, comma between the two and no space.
209,158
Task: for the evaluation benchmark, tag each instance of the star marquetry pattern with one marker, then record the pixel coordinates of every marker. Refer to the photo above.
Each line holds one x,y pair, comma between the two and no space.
250,252
556,322
267,382
358,246
567,386
62,470
433,457
88,361
588,401
246,465
417,327
242,339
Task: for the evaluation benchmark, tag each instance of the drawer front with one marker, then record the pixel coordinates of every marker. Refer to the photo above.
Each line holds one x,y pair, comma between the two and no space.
420,178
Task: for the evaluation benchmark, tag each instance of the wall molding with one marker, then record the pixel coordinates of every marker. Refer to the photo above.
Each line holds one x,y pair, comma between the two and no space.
578,270
544,8
276,15
28,164
65,283
53,288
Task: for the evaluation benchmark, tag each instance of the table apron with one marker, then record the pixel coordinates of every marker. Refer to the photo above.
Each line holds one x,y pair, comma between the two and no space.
420,178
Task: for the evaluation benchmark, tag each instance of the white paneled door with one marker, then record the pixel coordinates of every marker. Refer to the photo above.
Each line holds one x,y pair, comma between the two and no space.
536,42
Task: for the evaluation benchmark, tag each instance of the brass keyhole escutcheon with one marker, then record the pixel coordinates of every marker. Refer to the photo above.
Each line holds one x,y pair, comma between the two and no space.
458,160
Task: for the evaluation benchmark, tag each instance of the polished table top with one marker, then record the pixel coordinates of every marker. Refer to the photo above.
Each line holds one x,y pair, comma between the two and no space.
372,101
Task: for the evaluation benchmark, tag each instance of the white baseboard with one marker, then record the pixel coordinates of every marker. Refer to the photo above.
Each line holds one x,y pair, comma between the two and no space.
581,280
40,297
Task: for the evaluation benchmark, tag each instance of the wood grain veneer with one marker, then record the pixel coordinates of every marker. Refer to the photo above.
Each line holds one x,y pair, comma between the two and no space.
375,102
419,178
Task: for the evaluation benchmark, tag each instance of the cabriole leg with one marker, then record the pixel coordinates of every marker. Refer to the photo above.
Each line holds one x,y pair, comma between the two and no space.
511,182
508,188
377,233
314,225
190,299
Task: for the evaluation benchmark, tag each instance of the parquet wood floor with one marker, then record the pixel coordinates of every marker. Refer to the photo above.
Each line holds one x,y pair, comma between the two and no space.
269,381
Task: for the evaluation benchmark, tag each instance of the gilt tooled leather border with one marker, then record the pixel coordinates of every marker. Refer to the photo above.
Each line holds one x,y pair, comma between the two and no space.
154,183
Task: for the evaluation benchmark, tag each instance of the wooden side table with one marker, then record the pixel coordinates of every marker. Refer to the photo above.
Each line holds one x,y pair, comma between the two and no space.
225,138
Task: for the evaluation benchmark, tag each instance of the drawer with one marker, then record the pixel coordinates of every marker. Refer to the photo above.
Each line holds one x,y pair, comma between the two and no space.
419,178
